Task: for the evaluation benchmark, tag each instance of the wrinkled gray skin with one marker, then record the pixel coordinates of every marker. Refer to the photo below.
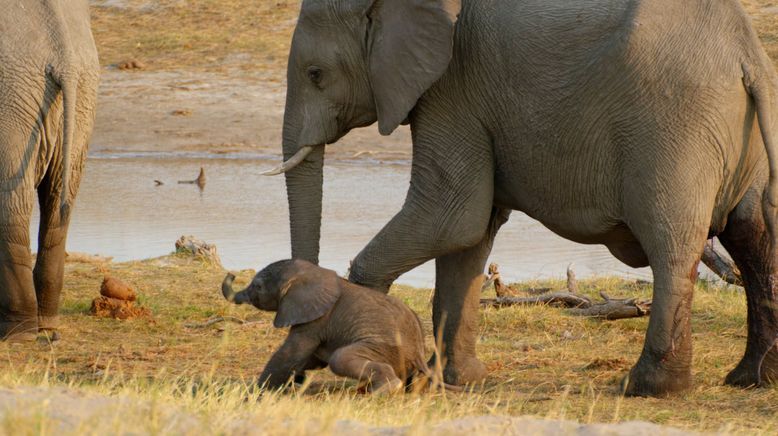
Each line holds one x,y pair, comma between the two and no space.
48,84
360,333
637,124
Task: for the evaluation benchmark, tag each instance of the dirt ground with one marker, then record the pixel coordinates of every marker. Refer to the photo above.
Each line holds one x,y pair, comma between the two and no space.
186,111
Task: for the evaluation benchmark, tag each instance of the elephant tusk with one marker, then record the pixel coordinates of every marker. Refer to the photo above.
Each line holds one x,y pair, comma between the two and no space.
291,163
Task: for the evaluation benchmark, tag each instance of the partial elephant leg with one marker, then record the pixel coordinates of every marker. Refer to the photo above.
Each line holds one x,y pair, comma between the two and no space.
292,358
673,246
50,264
312,364
447,208
18,308
748,242
352,361
459,277
18,148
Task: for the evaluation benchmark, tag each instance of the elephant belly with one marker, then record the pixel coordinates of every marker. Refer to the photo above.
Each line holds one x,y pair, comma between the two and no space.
573,210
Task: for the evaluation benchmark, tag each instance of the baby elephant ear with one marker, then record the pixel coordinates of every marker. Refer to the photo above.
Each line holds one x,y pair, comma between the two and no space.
307,295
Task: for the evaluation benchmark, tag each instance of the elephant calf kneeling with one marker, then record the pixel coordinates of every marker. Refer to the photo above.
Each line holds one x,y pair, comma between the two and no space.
359,332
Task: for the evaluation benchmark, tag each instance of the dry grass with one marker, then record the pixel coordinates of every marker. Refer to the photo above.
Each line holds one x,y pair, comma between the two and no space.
250,35
541,362
206,34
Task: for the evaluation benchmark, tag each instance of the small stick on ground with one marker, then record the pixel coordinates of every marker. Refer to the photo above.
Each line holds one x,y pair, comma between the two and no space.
215,320
572,282
493,278
721,266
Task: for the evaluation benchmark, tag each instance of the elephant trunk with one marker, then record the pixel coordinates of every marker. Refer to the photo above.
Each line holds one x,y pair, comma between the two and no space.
304,191
230,294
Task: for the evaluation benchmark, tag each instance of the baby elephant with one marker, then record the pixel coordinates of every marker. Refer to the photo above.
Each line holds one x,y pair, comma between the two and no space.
359,332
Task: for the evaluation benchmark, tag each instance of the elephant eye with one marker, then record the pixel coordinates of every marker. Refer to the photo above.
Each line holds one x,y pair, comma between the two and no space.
315,75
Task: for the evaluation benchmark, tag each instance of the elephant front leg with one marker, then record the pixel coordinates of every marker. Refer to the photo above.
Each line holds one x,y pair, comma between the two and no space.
459,278
289,361
447,208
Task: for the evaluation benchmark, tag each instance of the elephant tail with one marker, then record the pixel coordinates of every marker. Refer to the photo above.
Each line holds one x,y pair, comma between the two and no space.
758,86
68,83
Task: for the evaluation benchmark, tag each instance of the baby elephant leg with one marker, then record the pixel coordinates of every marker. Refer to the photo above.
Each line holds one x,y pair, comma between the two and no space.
312,364
352,361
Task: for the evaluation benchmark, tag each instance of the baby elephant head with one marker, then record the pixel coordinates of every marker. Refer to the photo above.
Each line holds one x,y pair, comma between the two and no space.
298,290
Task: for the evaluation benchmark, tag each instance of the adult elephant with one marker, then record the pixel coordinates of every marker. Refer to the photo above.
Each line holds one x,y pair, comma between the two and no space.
644,125
48,84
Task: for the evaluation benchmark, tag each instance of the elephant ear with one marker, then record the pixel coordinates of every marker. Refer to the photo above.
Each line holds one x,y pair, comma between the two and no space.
410,44
307,296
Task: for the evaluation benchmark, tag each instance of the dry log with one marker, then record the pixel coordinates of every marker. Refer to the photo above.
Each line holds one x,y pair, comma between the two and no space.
578,305
721,266
613,309
563,299
197,248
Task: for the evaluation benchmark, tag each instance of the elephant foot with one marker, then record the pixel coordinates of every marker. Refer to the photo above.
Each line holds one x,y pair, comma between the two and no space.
48,336
48,323
655,380
463,372
19,331
388,387
755,372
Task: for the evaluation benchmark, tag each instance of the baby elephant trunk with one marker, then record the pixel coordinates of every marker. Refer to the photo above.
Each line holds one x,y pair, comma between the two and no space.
230,294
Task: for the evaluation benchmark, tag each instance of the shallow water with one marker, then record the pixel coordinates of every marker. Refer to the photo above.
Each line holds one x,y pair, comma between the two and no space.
120,213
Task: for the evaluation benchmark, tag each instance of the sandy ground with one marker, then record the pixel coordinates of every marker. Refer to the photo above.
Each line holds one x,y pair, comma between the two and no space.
96,414
200,112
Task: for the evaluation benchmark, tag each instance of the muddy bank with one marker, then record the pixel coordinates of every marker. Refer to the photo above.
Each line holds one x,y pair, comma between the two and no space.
192,112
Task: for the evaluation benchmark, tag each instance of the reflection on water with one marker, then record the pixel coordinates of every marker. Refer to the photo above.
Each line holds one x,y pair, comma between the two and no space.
121,213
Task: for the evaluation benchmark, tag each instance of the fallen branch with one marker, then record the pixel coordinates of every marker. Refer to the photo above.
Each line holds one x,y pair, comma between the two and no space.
613,309
215,320
563,299
577,305
721,266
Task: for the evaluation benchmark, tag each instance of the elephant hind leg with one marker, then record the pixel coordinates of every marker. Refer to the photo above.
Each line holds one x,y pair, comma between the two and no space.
18,307
748,242
351,361
673,237
49,269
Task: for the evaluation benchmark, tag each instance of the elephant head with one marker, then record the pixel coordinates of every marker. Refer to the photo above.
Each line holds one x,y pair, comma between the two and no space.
352,63
297,290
